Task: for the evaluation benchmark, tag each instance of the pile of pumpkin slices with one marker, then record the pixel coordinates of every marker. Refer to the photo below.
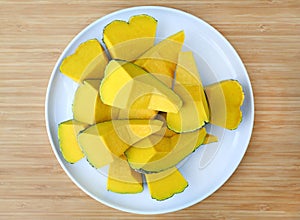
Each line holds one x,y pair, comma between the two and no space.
144,109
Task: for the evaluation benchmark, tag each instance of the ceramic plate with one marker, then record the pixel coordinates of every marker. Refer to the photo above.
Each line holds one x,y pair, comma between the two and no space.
206,169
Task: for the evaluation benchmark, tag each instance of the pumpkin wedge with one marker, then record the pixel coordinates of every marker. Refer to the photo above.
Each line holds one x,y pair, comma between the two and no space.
165,184
151,156
123,179
89,108
104,141
127,84
209,138
194,112
88,61
161,59
87,105
133,113
128,40
225,99
67,136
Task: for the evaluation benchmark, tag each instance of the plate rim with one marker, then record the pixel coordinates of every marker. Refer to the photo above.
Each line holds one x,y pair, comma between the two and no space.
223,178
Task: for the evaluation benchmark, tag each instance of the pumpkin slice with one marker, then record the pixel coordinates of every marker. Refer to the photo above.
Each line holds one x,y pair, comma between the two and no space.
187,70
104,141
225,99
163,135
128,84
161,60
136,113
89,108
127,41
123,179
151,156
165,184
88,61
67,136
209,138
87,105
194,112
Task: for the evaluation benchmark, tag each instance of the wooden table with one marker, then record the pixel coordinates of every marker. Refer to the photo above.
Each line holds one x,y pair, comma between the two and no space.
266,34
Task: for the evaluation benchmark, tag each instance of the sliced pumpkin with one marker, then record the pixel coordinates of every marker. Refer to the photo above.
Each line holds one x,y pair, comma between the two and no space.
128,40
88,61
161,59
89,108
187,70
137,111
194,112
225,99
165,184
123,179
157,153
104,141
67,136
209,138
128,84
133,113
87,105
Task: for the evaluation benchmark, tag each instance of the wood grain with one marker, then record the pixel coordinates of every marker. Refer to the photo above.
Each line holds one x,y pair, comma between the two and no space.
266,34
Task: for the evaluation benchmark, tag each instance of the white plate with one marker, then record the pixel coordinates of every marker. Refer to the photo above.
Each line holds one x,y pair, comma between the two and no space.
210,166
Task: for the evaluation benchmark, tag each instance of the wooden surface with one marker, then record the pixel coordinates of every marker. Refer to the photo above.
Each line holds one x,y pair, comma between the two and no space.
266,34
